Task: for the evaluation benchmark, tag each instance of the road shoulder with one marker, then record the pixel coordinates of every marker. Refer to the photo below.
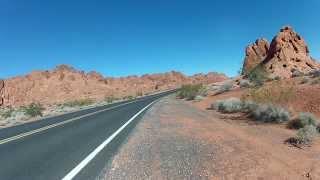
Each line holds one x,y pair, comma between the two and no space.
175,140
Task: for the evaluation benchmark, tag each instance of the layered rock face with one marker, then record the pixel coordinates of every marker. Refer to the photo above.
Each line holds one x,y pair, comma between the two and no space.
1,92
255,54
288,52
65,83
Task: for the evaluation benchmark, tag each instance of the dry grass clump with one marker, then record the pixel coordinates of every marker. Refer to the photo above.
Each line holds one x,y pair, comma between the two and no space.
78,103
274,93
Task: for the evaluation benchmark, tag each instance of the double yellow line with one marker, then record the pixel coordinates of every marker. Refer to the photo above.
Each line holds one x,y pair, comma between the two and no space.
22,135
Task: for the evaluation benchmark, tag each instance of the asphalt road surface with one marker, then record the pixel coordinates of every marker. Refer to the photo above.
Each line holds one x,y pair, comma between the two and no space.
71,146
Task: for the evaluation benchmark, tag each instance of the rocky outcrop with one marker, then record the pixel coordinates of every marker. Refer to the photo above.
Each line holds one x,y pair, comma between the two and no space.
65,83
1,92
255,54
288,52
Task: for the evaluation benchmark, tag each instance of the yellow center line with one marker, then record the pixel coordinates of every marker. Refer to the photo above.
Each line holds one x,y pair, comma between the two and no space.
19,136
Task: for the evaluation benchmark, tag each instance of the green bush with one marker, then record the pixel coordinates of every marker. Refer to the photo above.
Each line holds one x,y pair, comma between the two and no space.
189,92
33,110
270,113
231,105
79,103
258,75
306,134
304,119
7,113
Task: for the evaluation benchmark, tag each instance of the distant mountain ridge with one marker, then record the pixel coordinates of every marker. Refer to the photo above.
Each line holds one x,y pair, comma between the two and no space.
65,83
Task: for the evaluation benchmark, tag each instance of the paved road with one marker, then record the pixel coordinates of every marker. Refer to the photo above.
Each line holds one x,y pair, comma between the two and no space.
57,147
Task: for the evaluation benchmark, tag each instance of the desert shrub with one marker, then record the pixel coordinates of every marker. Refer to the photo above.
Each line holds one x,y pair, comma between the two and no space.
274,93
79,103
231,105
189,92
244,83
203,91
130,97
110,99
297,73
314,73
258,75
304,119
306,134
316,81
33,110
304,80
224,87
249,106
8,113
270,113
318,128
273,78
198,98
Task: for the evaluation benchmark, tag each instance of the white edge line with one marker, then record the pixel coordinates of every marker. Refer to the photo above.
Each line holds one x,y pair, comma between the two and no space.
86,161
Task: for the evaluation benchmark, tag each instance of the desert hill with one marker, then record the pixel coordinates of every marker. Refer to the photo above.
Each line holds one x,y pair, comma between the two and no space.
65,83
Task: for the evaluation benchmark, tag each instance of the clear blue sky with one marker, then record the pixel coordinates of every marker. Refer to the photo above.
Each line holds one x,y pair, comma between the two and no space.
124,37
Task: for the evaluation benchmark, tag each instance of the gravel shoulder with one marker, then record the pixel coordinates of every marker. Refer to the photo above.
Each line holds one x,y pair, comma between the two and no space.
176,140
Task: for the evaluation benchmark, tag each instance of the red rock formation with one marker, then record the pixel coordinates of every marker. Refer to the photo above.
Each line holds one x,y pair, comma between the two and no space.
288,52
65,83
255,54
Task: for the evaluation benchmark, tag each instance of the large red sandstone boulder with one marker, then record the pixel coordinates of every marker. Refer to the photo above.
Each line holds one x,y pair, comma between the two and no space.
288,53
255,54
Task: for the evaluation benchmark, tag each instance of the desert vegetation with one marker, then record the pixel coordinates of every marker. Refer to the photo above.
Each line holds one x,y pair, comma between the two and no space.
304,119
257,76
78,103
225,87
274,93
259,112
33,110
190,92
